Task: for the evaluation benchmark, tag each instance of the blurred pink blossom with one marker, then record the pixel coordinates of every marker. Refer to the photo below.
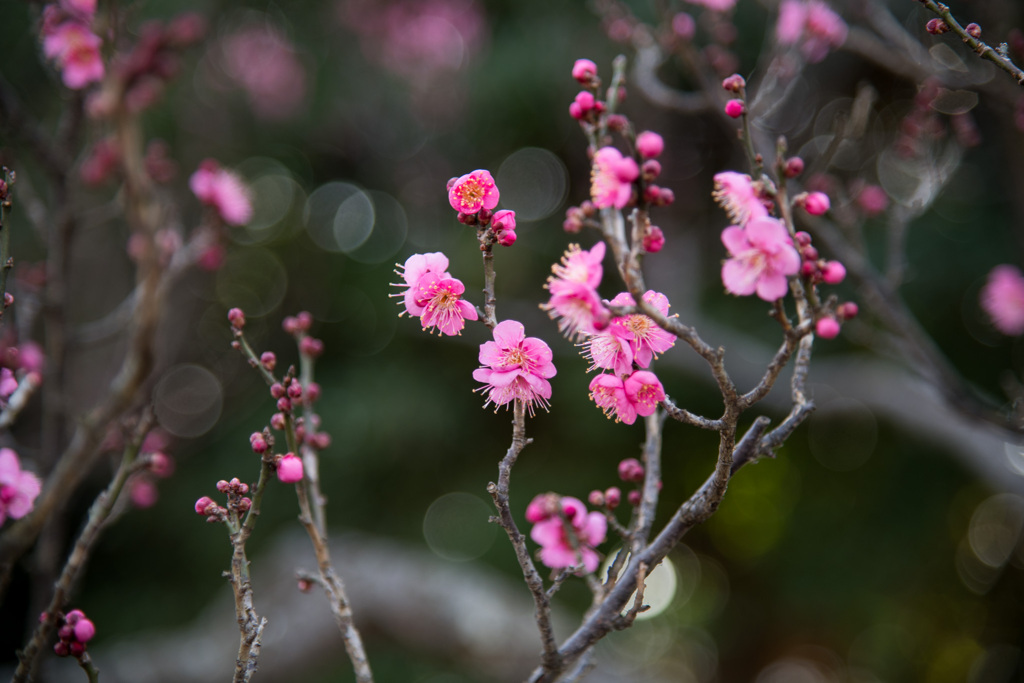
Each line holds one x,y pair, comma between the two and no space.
223,190
735,192
762,258
18,488
1002,298
612,178
556,548
516,367
811,24
715,5
261,59
76,50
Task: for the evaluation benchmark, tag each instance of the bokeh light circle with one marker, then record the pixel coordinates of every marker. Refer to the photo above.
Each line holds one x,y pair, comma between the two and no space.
533,183
187,400
456,527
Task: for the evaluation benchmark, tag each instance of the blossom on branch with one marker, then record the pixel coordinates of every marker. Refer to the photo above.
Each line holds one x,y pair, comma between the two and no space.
812,25
18,488
223,190
517,367
76,49
558,549
612,178
415,267
624,399
762,258
574,300
440,299
735,192
473,191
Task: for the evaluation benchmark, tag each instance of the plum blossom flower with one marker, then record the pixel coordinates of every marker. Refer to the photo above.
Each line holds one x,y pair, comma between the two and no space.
517,367
1002,298
556,547
416,267
762,257
612,178
630,338
735,192
18,488
289,469
624,399
440,299
813,25
76,50
223,190
474,191
574,300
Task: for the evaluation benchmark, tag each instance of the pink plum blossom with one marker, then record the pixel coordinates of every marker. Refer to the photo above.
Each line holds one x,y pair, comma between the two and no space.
827,327
223,190
609,393
762,258
735,108
516,367
649,144
584,70
556,547
812,25
503,223
1002,298
632,338
440,299
817,203
18,488
735,192
574,300
644,391
415,267
612,178
261,59
474,191
76,50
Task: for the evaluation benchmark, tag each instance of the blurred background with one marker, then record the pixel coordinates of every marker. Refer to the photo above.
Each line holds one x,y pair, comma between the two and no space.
882,544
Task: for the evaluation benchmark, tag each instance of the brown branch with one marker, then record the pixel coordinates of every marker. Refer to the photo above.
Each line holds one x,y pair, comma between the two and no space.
981,48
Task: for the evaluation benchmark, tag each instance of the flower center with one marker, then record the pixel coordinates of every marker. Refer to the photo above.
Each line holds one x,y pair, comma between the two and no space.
470,192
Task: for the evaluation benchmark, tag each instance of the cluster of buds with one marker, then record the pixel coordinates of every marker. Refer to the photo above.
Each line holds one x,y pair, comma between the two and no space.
298,326
312,436
104,161
576,216
142,486
142,74
288,393
238,502
610,498
816,269
828,325
75,631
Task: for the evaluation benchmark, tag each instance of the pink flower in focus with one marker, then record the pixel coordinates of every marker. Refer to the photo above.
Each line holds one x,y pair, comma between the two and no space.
630,338
223,190
289,469
556,548
76,50
609,393
762,257
813,25
415,268
609,352
440,299
612,178
18,488
735,192
1002,298
517,367
644,391
262,60
503,223
474,191
574,300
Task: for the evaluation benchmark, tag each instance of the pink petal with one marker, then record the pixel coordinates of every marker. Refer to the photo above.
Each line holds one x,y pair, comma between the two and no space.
509,333
738,278
735,240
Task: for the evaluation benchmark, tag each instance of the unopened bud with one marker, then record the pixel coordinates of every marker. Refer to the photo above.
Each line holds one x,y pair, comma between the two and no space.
268,360
237,318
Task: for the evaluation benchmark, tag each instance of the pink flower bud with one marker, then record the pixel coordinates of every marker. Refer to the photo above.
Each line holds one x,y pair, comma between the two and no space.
203,504
61,649
612,497
808,268
576,111
586,100
143,493
634,498
244,504
734,83
973,30
74,616
268,360
735,108
596,498
847,310
936,26
259,444
277,421
809,253
803,238
649,144
817,203
630,469
284,404
223,486
654,240
277,390
506,238
66,632
684,26
827,328
665,197
305,320
542,507
650,169
295,391
312,392
321,440
311,347
833,273
76,649
794,167
873,200
584,71
237,318
451,183
290,324
84,631
161,464
289,469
